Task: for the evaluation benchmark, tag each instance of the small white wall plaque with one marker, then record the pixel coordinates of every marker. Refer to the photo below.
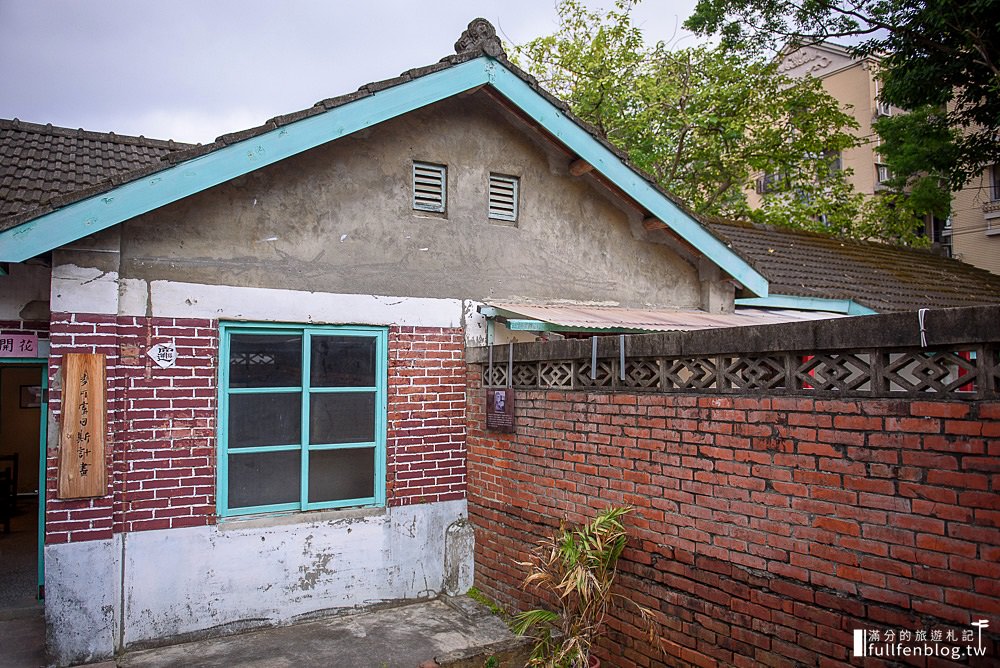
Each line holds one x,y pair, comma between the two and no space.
164,354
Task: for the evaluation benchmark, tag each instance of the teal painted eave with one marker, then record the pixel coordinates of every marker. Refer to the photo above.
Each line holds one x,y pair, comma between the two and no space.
845,306
135,198
611,166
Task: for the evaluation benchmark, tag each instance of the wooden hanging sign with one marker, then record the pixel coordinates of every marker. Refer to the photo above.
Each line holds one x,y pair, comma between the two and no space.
82,470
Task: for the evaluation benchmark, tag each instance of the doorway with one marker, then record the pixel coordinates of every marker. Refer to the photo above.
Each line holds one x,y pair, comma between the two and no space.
23,419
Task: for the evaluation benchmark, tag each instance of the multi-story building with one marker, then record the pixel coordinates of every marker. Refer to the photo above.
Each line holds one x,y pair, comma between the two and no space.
972,233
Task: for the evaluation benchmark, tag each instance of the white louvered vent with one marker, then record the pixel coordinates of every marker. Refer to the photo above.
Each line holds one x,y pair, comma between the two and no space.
430,184
503,197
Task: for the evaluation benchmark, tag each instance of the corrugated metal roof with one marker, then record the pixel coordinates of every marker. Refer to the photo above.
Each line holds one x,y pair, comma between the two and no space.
653,320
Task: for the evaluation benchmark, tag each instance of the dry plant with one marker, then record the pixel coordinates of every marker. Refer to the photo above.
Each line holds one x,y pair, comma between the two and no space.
577,567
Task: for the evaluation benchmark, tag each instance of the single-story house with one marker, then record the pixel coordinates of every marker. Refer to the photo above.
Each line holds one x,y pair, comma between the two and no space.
251,353
254,349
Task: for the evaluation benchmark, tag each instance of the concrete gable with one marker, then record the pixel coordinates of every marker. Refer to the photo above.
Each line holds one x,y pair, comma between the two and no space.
339,218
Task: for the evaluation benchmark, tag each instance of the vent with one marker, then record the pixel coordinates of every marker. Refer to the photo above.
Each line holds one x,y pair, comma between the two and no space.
429,185
503,197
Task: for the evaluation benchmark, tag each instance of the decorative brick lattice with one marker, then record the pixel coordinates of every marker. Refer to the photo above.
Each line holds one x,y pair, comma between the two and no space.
960,373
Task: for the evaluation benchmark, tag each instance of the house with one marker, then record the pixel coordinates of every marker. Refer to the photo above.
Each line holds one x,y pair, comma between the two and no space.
254,349
972,233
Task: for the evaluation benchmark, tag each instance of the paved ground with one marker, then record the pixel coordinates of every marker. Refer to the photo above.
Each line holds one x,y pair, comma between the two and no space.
455,632
19,557
22,637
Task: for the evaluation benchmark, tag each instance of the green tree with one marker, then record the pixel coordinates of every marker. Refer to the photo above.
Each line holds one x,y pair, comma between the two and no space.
944,54
702,121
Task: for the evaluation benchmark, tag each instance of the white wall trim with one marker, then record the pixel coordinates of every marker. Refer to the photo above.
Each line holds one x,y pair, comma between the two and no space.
172,299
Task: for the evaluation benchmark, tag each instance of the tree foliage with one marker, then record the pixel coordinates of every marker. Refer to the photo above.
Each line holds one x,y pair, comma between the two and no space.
702,121
944,54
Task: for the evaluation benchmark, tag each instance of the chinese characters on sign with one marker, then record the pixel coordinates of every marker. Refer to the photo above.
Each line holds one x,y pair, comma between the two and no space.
82,471
164,354
18,345
955,644
500,410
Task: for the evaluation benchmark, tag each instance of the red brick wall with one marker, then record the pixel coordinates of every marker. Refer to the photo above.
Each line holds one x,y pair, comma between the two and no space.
765,529
425,448
39,327
161,443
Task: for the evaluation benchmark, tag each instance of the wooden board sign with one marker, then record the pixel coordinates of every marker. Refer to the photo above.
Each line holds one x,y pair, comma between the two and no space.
500,410
82,470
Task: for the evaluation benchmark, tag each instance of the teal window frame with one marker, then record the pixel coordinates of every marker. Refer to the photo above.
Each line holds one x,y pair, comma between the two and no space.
307,332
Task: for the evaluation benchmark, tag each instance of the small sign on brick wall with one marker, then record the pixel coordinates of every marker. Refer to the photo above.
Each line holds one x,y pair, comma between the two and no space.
82,471
18,345
164,354
500,410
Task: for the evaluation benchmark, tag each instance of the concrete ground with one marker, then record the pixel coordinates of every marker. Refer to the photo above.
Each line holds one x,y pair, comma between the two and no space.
456,632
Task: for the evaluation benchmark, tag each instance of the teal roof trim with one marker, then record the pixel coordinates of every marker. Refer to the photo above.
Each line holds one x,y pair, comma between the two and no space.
144,194
622,175
137,197
846,306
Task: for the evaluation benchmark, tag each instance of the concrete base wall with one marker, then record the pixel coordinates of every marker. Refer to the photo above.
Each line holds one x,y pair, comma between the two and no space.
241,574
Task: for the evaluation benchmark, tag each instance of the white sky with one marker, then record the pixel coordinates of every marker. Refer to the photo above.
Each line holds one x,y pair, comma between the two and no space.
194,69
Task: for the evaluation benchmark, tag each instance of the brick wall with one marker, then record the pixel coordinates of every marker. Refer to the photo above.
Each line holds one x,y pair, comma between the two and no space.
160,445
766,529
425,448
39,327
161,440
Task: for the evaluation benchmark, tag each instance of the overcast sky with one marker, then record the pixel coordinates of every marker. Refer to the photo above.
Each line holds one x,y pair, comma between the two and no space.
191,70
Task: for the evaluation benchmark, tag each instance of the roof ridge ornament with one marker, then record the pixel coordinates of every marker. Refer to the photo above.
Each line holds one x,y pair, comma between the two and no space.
480,35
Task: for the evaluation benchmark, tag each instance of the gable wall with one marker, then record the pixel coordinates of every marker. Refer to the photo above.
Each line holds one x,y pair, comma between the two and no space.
339,219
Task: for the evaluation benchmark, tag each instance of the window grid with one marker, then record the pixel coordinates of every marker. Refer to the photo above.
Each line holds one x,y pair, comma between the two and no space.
305,391
503,194
430,186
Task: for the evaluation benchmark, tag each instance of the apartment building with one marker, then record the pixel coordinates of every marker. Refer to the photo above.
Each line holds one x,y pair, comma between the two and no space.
972,233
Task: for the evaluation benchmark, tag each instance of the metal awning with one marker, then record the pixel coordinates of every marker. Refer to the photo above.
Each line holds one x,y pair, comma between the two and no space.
614,319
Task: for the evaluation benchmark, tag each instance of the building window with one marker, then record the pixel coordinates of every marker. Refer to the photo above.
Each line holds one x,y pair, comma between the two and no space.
430,187
503,194
882,174
995,183
302,415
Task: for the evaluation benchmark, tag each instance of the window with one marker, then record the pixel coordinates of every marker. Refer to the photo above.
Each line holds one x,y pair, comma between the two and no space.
881,108
882,174
503,197
302,415
995,182
430,185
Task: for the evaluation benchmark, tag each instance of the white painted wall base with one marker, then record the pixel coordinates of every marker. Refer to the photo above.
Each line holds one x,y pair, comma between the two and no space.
242,574
81,596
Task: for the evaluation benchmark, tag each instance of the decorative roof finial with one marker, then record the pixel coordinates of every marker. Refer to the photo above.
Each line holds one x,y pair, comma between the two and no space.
480,36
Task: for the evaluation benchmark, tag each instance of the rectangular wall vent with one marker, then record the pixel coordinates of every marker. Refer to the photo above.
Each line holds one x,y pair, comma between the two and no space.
503,197
430,183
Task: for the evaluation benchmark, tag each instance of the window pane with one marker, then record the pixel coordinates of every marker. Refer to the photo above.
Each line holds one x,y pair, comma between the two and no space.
336,475
261,360
342,417
342,361
264,478
265,419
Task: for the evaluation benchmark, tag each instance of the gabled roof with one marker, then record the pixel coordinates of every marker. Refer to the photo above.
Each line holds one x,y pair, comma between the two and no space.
479,62
40,162
878,276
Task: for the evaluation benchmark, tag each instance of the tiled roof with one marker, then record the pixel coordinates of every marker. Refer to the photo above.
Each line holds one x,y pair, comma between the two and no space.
882,277
478,40
41,162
